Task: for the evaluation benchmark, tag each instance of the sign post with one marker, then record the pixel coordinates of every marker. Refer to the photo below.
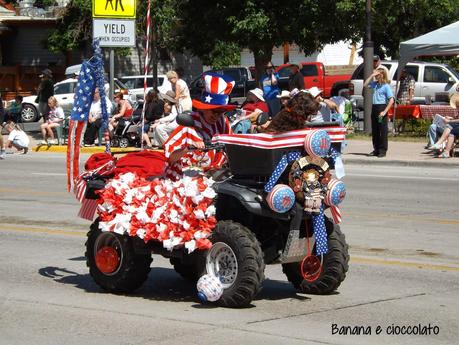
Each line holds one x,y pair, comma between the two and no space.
114,24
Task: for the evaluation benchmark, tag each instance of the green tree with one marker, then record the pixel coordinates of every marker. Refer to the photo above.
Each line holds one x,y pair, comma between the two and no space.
260,26
395,21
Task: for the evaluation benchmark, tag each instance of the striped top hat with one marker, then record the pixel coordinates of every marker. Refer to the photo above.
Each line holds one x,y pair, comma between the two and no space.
216,94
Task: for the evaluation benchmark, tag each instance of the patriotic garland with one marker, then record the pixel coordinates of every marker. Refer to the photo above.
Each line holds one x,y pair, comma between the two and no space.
179,213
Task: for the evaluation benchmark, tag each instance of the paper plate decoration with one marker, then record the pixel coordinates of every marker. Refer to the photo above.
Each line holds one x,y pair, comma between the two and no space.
281,198
210,288
336,192
317,143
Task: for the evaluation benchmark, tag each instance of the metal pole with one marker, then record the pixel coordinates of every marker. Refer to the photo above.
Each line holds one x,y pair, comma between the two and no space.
368,51
154,56
112,73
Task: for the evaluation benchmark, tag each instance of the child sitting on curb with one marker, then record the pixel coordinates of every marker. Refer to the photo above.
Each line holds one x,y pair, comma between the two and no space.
17,138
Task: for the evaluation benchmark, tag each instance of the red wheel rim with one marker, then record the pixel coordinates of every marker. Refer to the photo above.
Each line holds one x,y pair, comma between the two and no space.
107,260
311,268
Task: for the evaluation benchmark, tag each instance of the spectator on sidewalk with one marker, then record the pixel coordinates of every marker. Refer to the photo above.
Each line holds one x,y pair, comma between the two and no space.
95,118
269,81
182,92
44,92
377,64
55,119
163,127
154,108
123,109
17,138
406,90
296,79
450,132
383,99
13,112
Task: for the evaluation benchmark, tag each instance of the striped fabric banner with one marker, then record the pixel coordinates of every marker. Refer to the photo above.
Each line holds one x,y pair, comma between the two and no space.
281,140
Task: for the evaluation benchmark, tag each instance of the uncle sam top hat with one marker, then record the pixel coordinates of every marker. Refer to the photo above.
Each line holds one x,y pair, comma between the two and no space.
216,94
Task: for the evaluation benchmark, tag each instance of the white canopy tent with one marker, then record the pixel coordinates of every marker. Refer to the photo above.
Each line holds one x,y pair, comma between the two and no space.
443,41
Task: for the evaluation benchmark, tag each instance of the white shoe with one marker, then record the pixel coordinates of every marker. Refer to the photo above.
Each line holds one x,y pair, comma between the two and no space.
53,142
3,155
43,142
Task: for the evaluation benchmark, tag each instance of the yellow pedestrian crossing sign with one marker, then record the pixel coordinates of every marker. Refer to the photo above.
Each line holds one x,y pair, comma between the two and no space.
113,8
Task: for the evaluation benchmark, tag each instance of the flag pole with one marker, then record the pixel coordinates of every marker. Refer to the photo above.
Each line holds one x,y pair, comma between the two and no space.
146,70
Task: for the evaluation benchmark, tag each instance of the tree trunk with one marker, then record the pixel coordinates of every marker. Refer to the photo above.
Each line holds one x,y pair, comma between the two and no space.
262,56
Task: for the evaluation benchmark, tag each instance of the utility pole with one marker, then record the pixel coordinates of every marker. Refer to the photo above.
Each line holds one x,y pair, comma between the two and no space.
368,52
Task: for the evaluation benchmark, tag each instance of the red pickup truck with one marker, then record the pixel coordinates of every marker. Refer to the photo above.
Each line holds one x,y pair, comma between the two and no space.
315,75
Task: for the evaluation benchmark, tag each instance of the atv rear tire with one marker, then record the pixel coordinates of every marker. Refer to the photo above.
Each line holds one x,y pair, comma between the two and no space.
237,259
335,265
132,269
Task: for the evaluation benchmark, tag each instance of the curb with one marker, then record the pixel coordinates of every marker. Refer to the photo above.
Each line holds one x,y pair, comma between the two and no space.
436,163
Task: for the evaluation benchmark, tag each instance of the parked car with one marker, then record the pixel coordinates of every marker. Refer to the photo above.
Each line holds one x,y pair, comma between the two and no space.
431,79
64,91
315,74
135,84
241,75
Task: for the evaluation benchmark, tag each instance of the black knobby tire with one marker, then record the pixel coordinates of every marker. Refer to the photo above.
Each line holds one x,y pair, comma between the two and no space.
250,263
192,269
335,265
132,270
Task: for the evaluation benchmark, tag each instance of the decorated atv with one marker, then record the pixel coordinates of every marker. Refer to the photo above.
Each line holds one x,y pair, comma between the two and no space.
221,229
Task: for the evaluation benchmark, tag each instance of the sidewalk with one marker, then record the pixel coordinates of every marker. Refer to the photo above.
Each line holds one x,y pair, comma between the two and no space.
400,153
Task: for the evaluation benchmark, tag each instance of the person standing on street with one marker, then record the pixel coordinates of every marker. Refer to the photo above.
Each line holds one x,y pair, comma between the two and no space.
44,92
383,99
296,80
269,82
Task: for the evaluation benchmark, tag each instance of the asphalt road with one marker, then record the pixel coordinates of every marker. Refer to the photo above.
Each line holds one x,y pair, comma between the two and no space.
401,224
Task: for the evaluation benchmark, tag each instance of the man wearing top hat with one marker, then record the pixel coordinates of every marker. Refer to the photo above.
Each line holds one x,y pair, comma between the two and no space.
209,120
45,91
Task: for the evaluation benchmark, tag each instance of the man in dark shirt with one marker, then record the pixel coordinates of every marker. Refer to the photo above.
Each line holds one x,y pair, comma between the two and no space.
295,80
45,91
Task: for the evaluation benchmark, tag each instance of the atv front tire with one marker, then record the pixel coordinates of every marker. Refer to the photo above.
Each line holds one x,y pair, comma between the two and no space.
335,265
236,259
130,270
192,268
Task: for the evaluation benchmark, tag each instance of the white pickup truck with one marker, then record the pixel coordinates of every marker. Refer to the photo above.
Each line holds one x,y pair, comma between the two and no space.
431,79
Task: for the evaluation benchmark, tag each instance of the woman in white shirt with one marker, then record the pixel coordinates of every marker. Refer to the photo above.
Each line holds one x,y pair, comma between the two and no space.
182,93
55,119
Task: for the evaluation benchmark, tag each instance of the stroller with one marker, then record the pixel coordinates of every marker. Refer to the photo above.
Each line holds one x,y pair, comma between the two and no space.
127,132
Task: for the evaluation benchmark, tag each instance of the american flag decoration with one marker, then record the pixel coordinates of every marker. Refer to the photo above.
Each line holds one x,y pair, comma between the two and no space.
280,167
320,232
317,143
84,93
281,198
98,63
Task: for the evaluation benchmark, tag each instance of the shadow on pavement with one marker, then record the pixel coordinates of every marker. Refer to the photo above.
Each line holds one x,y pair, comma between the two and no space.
164,284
